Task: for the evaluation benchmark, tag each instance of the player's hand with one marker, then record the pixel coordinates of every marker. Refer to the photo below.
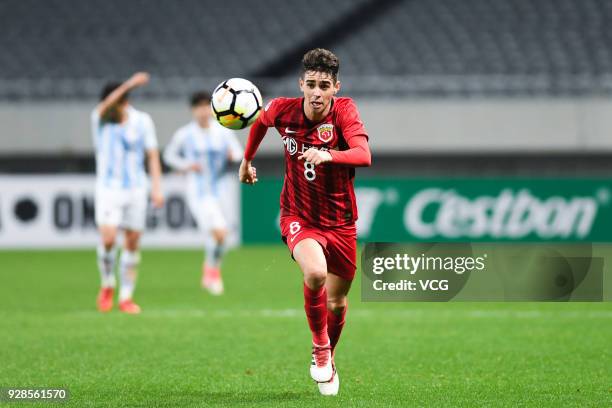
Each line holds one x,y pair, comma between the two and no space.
197,167
138,79
315,156
247,173
157,197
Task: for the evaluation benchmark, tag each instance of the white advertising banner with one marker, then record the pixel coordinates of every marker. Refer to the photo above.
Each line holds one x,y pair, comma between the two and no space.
55,211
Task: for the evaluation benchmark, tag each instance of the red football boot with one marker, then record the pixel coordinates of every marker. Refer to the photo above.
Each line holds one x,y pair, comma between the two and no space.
211,281
128,306
105,299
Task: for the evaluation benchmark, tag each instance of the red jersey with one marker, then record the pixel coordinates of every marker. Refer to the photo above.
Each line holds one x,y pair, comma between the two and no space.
322,195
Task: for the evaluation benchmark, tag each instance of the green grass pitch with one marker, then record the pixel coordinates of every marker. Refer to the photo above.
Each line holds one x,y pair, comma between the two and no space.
251,347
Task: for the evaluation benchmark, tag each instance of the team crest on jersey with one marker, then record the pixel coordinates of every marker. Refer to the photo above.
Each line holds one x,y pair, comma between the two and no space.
326,132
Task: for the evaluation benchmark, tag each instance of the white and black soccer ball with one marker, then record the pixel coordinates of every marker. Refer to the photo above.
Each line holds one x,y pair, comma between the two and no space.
236,103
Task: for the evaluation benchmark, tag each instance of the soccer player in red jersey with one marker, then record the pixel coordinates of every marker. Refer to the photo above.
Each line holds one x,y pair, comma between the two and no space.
324,141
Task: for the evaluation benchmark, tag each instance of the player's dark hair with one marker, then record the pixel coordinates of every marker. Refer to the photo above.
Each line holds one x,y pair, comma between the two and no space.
198,98
112,114
321,60
109,88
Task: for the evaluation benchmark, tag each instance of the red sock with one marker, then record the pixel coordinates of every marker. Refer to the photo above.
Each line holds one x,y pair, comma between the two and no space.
335,323
315,305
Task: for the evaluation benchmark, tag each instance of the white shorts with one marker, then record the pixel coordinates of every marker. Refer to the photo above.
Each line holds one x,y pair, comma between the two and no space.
126,209
207,213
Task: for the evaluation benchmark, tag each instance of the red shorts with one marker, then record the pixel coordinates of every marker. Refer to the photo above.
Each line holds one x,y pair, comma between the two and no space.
339,243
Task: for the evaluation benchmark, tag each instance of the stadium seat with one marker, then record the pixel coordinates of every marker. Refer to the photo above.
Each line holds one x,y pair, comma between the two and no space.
68,48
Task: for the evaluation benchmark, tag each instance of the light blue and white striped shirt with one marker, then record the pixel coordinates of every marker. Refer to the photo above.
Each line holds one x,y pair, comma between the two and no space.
120,149
211,148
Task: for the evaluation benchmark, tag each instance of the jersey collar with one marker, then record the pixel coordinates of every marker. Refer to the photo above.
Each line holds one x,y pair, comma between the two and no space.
308,121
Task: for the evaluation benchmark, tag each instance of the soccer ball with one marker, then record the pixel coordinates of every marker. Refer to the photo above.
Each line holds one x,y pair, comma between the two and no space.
236,103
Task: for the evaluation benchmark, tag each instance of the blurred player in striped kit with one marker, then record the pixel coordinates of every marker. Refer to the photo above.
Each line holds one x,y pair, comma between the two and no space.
123,137
202,149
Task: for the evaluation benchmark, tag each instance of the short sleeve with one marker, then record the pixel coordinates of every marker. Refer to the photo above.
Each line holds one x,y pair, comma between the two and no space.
172,153
94,118
269,112
350,122
150,138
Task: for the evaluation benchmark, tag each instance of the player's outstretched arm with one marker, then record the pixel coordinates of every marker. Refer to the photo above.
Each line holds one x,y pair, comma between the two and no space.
135,81
357,155
172,155
154,164
248,174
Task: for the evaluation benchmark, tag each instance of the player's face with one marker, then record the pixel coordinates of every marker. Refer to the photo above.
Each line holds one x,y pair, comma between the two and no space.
201,113
319,89
117,112
123,107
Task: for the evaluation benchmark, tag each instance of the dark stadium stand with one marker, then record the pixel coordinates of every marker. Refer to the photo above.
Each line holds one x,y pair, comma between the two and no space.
67,48
487,46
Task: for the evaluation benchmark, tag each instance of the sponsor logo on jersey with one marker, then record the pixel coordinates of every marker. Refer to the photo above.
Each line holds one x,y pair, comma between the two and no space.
325,132
290,145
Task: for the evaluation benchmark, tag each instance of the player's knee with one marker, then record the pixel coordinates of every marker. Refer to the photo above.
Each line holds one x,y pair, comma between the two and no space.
132,242
315,275
337,305
108,241
131,245
219,235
